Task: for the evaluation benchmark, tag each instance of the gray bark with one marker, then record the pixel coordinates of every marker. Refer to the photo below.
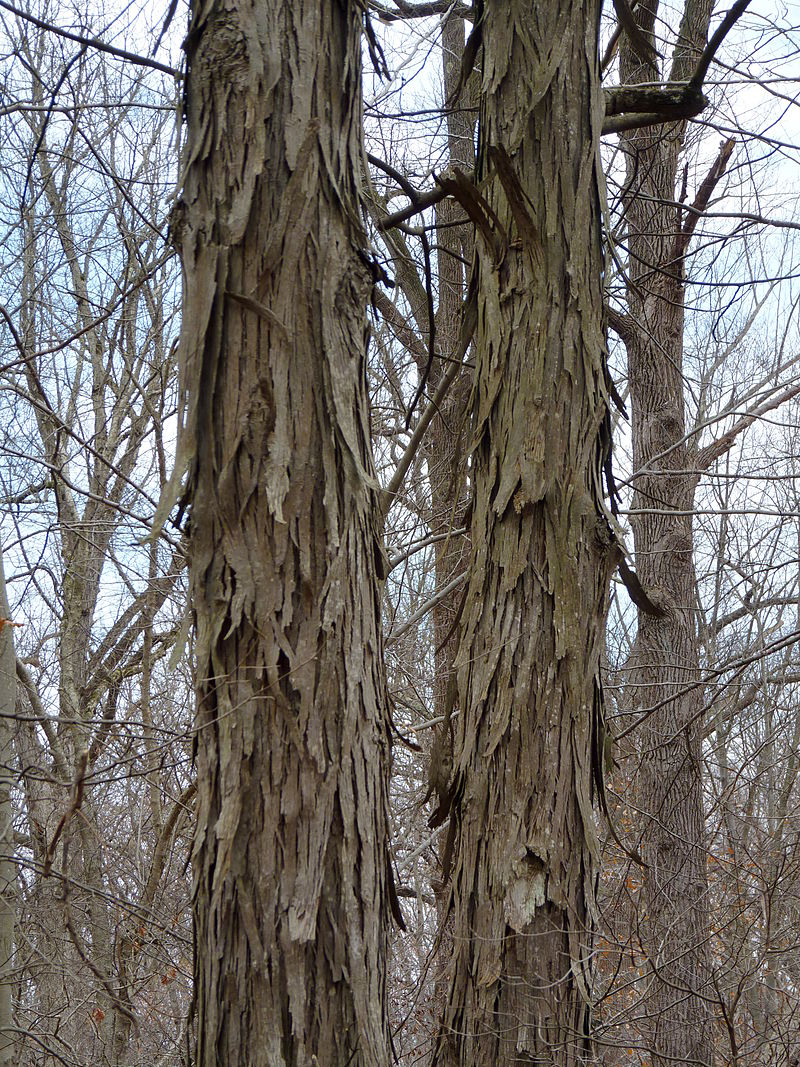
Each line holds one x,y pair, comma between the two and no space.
533,621
8,873
446,452
290,858
666,671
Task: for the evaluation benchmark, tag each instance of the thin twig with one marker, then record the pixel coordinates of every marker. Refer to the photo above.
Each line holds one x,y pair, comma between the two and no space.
77,800
427,607
92,42
467,330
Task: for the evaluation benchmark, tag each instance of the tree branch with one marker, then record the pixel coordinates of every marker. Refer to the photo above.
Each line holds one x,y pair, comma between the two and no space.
419,201
43,719
92,42
75,804
703,197
469,322
639,43
711,453
405,10
630,107
750,608
425,542
180,809
718,37
400,327
623,325
427,607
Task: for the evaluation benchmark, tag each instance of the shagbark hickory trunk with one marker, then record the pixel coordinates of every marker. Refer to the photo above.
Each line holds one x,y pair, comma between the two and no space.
534,615
290,856
666,667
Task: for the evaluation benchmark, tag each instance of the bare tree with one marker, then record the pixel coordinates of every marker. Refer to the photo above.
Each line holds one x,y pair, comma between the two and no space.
8,895
666,664
664,677
102,794
516,453
292,885
534,614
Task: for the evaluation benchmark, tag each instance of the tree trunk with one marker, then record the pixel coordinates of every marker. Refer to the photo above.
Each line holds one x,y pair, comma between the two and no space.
446,451
290,857
534,616
666,674
8,873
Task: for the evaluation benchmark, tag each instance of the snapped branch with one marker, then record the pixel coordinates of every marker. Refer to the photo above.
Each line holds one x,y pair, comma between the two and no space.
630,107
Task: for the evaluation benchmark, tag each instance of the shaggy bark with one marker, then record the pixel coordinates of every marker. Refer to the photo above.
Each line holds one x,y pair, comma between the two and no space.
666,671
290,857
534,615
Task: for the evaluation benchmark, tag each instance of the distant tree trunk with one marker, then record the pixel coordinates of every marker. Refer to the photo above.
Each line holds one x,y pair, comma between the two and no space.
290,857
666,668
446,450
446,445
534,616
8,873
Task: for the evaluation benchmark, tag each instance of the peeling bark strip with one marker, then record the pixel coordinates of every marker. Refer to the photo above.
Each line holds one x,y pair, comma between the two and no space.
290,856
535,609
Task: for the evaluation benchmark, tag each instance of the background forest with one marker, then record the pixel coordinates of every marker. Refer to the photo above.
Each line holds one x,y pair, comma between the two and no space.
695,951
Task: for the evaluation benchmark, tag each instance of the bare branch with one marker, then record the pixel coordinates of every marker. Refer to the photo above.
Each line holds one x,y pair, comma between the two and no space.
93,42
41,718
426,608
75,803
708,455
632,107
703,197
718,37
467,329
